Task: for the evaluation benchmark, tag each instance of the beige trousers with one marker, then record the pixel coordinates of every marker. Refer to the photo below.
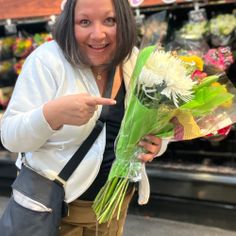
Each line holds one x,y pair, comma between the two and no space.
82,220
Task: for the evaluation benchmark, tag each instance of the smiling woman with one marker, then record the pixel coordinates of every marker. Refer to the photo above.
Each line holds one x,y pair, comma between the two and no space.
66,87
95,33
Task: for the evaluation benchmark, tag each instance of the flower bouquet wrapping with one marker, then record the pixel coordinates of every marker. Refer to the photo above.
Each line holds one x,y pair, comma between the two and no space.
194,30
222,29
170,96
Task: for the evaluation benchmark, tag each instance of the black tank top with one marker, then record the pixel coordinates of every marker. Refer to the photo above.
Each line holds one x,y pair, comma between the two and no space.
113,121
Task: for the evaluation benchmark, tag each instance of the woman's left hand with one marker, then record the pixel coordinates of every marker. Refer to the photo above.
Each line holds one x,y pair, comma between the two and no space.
152,145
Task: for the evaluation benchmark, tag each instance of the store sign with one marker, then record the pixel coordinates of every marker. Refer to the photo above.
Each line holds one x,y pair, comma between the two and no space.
135,3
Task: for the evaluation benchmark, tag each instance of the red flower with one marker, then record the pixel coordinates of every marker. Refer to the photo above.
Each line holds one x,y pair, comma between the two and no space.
198,75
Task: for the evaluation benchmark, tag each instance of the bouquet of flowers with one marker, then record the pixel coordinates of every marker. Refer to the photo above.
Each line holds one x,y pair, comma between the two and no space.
41,38
170,96
222,29
194,30
220,58
23,47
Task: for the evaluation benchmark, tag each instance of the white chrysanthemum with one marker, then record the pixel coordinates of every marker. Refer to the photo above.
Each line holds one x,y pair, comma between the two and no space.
164,69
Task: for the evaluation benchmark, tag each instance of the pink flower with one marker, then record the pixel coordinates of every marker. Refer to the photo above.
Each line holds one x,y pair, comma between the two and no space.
220,58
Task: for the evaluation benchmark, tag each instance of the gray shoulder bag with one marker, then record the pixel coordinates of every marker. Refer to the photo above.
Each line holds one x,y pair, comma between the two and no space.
48,194
20,221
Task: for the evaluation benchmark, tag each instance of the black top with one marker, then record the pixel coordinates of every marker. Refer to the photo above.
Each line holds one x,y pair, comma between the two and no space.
113,121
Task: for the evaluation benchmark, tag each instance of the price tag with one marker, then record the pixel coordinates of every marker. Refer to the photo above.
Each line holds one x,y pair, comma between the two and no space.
135,3
10,28
197,15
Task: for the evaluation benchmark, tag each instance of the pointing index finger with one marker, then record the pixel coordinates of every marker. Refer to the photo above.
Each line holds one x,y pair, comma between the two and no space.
94,101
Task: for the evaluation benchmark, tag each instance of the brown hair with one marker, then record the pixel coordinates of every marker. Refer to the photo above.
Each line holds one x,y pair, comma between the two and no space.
126,32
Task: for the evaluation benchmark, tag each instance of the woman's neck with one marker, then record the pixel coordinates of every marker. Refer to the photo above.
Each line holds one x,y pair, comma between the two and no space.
100,73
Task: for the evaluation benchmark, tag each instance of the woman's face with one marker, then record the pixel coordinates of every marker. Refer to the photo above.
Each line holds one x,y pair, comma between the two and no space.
95,30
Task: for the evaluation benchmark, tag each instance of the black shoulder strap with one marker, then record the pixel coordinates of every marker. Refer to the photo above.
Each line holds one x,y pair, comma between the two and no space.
78,156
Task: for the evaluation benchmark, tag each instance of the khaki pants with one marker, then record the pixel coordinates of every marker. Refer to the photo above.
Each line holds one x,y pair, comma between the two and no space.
82,220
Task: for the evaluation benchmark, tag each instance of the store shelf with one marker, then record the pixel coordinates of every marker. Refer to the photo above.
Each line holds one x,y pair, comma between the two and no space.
218,188
187,210
18,9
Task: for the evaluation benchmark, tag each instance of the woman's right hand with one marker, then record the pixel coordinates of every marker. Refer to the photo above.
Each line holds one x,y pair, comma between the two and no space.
75,109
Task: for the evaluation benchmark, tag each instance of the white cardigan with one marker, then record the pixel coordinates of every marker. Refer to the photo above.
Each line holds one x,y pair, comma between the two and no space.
47,75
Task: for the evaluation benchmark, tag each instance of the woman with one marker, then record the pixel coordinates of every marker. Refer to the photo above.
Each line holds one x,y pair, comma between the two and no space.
59,96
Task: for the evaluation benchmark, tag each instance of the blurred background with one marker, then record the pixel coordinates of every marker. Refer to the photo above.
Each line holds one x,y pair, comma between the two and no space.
194,181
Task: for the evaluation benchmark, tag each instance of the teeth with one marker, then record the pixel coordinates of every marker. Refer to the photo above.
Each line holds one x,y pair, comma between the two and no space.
98,46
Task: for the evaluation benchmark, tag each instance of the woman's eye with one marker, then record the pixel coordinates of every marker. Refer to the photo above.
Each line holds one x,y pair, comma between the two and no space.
84,23
110,21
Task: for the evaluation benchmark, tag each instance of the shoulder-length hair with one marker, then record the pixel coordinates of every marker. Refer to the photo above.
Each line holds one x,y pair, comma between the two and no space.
125,37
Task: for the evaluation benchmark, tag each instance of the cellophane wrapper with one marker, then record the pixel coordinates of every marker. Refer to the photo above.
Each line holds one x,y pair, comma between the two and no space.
153,113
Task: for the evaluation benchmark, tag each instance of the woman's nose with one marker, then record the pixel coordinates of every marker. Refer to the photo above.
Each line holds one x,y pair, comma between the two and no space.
98,32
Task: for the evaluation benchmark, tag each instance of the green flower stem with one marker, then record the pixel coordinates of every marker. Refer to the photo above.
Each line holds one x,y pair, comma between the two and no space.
104,195
100,198
111,205
108,206
122,199
113,187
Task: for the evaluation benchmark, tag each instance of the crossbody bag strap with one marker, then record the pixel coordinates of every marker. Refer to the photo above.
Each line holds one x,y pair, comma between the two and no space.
78,156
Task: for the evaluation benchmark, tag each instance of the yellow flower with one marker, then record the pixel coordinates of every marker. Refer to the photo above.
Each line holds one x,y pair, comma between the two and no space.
193,59
28,43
